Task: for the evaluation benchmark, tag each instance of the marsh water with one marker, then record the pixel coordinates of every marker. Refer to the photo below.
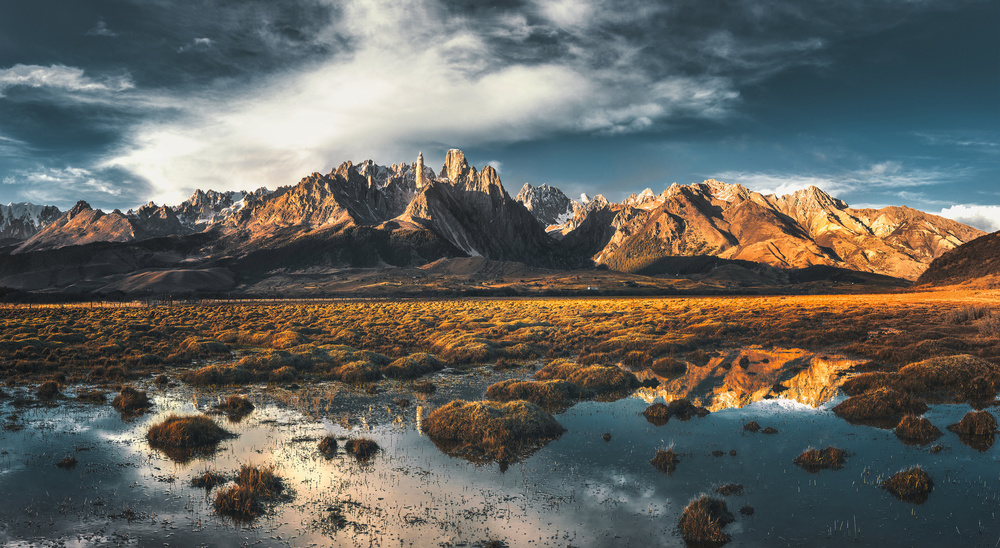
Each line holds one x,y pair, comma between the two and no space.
578,490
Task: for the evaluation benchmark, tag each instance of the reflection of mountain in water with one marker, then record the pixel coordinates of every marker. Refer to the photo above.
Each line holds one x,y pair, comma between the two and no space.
737,378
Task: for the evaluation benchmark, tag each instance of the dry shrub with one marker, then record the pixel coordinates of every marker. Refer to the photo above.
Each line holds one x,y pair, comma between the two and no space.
883,407
730,489
702,522
244,501
637,359
751,426
665,461
916,430
218,375
910,485
361,448
412,366
669,366
130,400
491,431
989,326
48,390
814,460
699,358
598,358
235,406
551,394
208,480
328,446
596,378
967,314
185,432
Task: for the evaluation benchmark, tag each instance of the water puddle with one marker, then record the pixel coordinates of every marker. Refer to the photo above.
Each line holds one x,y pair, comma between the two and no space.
578,490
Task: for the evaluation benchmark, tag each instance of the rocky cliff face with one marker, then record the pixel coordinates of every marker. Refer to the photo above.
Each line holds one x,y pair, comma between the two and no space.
548,205
472,211
22,220
81,225
801,229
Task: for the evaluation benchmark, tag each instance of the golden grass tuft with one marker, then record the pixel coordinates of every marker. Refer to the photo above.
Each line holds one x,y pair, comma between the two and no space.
814,460
130,400
730,489
218,375
551,394
910,485
185,432
882,407
208,480
491,431
412,366
235,406
362,448
702,521
665,461
976,423
916,430
244,501
328,446
600,379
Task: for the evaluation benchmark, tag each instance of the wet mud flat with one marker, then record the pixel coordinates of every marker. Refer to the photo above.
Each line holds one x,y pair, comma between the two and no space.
582,489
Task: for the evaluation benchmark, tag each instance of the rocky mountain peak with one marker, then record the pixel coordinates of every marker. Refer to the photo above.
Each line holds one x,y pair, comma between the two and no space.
80,207
455,166
421,177
547,204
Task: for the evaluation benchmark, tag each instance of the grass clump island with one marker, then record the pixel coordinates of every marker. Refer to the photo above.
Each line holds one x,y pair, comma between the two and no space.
328,446
682,409
910,485
665,461
814,460
487,431
361,448
179,437
551,394
208,480
131,401
916,430
881,407
235,407
247,498
977,429
702,521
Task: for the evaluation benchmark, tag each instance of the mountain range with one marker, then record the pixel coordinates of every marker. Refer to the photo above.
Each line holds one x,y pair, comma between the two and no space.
406,216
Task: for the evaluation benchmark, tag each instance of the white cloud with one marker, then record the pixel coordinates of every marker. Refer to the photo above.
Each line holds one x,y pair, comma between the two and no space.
59,77
496,164
414,78
64,186
983,217
101,29
883,176
199,43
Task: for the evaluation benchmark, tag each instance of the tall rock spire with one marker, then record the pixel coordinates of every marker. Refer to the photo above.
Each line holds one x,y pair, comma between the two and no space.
421,178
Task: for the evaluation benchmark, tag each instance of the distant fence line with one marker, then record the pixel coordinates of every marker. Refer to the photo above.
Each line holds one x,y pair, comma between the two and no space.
159,303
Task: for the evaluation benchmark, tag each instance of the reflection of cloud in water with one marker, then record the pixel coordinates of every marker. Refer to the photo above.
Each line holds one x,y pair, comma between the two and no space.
740,377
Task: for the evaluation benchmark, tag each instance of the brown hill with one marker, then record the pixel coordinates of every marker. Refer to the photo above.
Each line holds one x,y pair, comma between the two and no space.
976,262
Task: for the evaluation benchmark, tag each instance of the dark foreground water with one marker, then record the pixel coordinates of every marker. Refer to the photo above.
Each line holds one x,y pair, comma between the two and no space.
577,491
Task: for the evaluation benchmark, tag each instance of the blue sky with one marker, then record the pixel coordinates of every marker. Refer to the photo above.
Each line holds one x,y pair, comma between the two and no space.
879,102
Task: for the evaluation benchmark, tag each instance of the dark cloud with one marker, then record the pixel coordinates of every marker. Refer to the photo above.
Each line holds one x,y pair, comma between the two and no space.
151,98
